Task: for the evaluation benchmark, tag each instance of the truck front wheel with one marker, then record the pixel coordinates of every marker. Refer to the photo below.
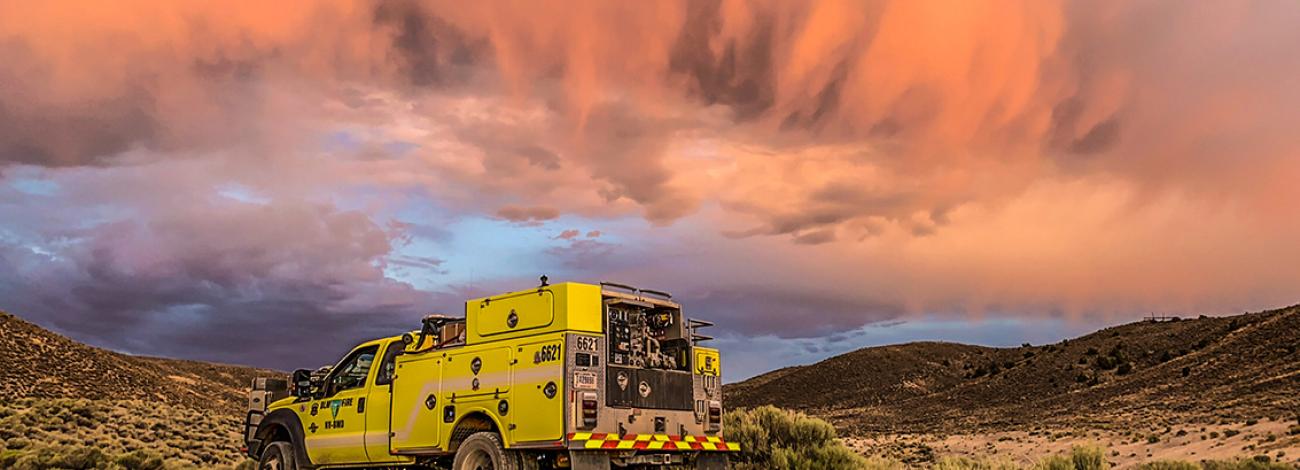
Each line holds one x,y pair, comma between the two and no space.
277,456
484,451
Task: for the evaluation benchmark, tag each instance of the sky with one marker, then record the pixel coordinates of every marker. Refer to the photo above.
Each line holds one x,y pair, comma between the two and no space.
270,183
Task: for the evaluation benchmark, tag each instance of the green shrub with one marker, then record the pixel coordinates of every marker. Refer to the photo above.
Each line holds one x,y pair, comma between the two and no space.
8,457
140,460
774,439
1105,362
61,457
1080,458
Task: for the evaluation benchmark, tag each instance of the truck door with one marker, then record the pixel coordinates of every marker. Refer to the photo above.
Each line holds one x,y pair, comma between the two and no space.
336,426
416,411
378,404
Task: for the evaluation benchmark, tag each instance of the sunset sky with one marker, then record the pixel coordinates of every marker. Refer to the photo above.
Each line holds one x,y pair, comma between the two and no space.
267,183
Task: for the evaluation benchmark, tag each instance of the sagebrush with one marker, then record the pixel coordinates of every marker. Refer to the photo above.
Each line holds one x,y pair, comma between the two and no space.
776,439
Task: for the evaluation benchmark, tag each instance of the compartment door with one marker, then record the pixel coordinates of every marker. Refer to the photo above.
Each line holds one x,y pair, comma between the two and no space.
519,312
537,410
416,409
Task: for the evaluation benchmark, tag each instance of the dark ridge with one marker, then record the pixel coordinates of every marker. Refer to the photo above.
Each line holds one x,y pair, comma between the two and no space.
1190,370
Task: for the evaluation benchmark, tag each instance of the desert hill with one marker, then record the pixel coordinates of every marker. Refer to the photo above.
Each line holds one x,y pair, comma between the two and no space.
64,404
37,363
1202,370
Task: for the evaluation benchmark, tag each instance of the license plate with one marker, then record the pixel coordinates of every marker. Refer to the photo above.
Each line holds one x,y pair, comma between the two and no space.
584,380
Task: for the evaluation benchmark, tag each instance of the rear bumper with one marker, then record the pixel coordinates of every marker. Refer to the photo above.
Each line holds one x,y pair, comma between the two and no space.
653,442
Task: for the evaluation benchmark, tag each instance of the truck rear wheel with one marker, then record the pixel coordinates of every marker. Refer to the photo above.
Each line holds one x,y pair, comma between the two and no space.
484,451
277,456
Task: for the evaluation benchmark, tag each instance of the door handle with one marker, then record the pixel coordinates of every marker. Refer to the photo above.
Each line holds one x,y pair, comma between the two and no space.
361,405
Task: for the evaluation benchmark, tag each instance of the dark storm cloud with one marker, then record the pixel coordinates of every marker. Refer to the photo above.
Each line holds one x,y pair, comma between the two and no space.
430,50
816,237
786,312
1066,136
283,285
740,75
91,110
625,149
37,130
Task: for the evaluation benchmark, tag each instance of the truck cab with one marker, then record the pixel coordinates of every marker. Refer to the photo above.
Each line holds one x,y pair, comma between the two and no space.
568,375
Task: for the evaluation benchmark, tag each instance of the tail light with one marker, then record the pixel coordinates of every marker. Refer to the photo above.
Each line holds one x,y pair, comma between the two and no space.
589,407
715,416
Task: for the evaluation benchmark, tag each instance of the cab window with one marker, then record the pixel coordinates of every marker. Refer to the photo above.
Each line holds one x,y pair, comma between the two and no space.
389,364
352,372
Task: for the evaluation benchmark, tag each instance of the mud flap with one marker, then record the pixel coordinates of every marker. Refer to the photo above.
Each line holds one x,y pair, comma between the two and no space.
589,460
711,461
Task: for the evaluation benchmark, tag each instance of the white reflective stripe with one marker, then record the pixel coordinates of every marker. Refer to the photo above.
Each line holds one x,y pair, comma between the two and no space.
405,433
534,374
488,381
350,439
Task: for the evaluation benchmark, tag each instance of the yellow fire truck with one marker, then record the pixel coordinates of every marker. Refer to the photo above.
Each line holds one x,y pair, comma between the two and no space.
568,375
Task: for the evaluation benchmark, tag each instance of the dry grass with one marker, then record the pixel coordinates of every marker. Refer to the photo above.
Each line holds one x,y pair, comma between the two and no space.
75,434
777,439
37,434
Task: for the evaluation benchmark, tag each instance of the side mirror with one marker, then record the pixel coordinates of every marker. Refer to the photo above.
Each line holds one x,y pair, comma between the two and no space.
302,383
309,383
318,377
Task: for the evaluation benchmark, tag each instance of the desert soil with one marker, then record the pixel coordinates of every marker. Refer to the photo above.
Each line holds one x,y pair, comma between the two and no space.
1125,448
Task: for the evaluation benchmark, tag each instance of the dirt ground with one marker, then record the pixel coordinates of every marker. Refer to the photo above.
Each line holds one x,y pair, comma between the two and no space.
1124,447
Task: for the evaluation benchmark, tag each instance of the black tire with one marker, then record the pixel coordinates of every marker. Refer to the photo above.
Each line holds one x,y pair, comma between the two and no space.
278,456
484,451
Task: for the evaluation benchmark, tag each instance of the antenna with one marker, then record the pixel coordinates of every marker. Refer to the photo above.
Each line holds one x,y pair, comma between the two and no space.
697,324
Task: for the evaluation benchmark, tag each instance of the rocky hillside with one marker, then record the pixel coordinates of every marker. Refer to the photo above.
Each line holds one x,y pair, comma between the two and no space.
36,363
1192,370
